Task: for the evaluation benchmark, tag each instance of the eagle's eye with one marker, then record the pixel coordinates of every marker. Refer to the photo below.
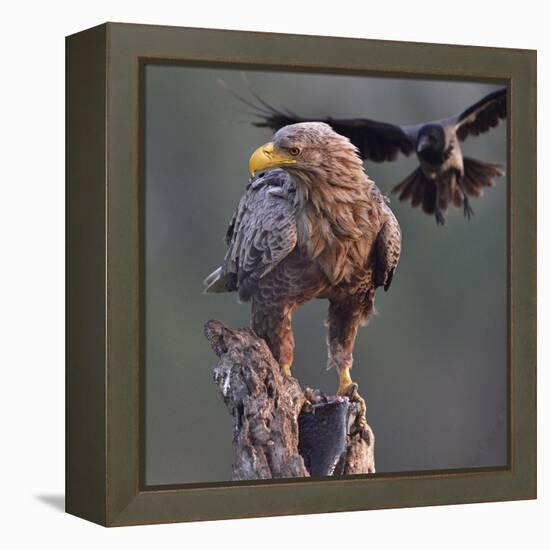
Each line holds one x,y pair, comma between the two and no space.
294,151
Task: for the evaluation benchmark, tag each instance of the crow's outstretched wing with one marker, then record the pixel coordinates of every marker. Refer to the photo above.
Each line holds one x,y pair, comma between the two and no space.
481,116
261,234
376,141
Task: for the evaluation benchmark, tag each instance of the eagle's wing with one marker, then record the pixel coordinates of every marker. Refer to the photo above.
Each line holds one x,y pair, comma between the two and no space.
388,250
261,234
481,116
376,141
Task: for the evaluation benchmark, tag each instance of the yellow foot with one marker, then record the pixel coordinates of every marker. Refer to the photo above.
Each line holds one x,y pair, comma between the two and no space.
307,407
349,389
286,370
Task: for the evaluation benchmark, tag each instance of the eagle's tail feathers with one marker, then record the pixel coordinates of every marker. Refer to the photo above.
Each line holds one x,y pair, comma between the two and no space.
216,282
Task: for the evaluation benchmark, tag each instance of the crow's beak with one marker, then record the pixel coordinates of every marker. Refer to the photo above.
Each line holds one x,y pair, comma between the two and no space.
423,144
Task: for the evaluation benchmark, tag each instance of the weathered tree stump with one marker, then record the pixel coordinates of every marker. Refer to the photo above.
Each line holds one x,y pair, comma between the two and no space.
273,437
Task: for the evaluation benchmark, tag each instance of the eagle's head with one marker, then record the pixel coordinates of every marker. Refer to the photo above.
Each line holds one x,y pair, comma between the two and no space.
307,147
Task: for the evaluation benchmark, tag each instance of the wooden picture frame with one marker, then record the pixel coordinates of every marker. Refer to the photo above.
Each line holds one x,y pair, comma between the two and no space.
104,444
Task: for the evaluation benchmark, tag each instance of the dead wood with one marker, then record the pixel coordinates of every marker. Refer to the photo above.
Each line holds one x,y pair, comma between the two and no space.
273,437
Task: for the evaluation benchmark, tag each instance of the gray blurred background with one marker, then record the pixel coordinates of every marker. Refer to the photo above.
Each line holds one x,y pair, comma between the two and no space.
431,364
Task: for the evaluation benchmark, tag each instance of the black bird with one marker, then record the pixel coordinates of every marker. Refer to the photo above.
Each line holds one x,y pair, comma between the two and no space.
444,176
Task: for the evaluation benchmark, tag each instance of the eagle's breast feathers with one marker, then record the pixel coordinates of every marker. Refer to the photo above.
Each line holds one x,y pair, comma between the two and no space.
347,232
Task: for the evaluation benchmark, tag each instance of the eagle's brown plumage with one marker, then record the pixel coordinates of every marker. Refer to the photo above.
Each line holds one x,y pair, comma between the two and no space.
317,227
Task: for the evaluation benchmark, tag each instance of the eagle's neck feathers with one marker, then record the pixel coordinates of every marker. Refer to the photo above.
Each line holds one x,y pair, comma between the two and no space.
337,219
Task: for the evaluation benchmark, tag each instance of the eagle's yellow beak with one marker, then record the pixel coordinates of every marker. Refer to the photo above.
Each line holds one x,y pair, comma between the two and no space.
266,157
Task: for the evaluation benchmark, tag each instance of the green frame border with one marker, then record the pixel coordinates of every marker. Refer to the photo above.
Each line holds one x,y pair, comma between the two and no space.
104,382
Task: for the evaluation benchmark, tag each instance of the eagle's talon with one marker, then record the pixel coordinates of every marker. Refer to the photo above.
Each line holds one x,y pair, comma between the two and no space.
358,427
311,397
361,418
351,391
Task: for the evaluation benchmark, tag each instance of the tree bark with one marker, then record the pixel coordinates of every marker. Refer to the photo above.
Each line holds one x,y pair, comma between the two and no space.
274,436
